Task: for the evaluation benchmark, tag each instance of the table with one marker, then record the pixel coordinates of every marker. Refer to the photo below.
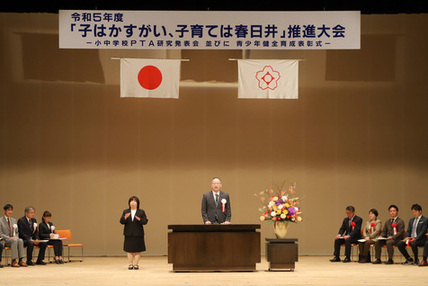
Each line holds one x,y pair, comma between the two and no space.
282,253
234,247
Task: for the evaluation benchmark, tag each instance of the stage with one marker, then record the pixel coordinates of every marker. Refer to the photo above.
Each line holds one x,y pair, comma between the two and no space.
312,270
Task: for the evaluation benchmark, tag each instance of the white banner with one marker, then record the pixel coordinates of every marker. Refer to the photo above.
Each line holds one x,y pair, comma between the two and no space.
94,29
149,78
268,79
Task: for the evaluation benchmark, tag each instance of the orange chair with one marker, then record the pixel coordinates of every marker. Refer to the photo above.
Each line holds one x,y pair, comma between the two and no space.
5,256
65,236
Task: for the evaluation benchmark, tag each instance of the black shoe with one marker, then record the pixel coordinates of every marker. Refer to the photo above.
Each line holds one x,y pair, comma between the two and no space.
130,267
390,261
416,262
1,266
408,262
346,260
377,261
336,259
40,262
30,263
136,267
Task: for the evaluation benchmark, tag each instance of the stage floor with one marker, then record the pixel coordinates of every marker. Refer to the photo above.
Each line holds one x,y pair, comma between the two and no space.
313,270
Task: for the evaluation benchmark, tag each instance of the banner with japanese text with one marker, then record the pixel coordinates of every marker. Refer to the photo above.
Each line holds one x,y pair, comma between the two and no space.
268,79
149,78
314,30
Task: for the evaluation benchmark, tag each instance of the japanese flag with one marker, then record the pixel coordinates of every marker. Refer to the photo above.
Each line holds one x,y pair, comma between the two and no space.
149,78
268,79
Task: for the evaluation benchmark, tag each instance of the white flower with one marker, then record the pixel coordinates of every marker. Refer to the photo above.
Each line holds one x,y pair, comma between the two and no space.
284,198
15,226
223,201
273,213
35,225
280,207
53,227
297,209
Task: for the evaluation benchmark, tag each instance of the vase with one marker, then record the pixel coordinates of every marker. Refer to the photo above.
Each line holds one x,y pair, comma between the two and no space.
280,228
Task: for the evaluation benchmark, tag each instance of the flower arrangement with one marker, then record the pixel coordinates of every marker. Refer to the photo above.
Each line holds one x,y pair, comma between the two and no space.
280,205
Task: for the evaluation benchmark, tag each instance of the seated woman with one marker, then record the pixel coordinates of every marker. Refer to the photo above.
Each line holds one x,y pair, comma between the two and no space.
47,231
371,231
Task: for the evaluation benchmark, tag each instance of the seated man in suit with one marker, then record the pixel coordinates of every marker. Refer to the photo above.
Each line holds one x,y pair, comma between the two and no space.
216,205
349,233
415,235
10,235
28,232
392,233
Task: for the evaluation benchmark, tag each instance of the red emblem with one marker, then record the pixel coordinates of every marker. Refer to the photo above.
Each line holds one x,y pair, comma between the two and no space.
268,78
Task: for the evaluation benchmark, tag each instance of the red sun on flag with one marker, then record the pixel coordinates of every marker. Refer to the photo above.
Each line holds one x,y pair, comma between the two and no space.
150,77
268,78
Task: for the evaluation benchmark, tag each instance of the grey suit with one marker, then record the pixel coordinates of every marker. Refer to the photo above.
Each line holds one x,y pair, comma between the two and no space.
16,244
214,212
421,229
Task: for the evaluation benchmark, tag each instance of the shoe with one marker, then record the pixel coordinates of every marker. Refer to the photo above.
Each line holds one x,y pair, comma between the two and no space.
346,260
15,264
423,263
416,262
408,262
61,261
336,259
40,262
57,261
22,264
390,261
136,267
30,263
130,267
377,261
1,266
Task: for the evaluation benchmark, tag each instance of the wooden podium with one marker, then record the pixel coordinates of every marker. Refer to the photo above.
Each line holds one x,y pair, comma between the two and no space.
234,247
282,253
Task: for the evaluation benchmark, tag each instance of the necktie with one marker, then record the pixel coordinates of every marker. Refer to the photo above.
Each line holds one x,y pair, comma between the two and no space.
415,223
216,199
10,229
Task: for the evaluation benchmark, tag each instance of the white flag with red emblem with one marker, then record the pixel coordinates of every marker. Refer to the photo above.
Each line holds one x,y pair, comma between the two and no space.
268,79
158,78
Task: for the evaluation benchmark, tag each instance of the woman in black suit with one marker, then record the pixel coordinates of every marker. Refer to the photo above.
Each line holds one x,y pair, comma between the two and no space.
133,220
47,231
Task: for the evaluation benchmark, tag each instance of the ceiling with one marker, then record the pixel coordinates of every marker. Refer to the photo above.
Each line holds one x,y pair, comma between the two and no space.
366,7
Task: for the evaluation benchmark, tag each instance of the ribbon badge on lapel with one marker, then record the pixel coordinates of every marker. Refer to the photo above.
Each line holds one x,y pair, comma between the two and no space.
394,227
223,205
372,225
353,225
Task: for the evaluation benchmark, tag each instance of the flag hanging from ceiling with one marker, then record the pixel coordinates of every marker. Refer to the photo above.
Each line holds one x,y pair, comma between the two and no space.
268,79
149,78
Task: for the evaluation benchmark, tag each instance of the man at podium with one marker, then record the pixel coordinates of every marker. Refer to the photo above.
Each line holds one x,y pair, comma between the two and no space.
216,205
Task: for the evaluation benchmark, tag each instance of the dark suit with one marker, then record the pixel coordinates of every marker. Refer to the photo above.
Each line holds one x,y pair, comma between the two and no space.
421,229
353,232
27,232
388,231
134,231
45,233
214,212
